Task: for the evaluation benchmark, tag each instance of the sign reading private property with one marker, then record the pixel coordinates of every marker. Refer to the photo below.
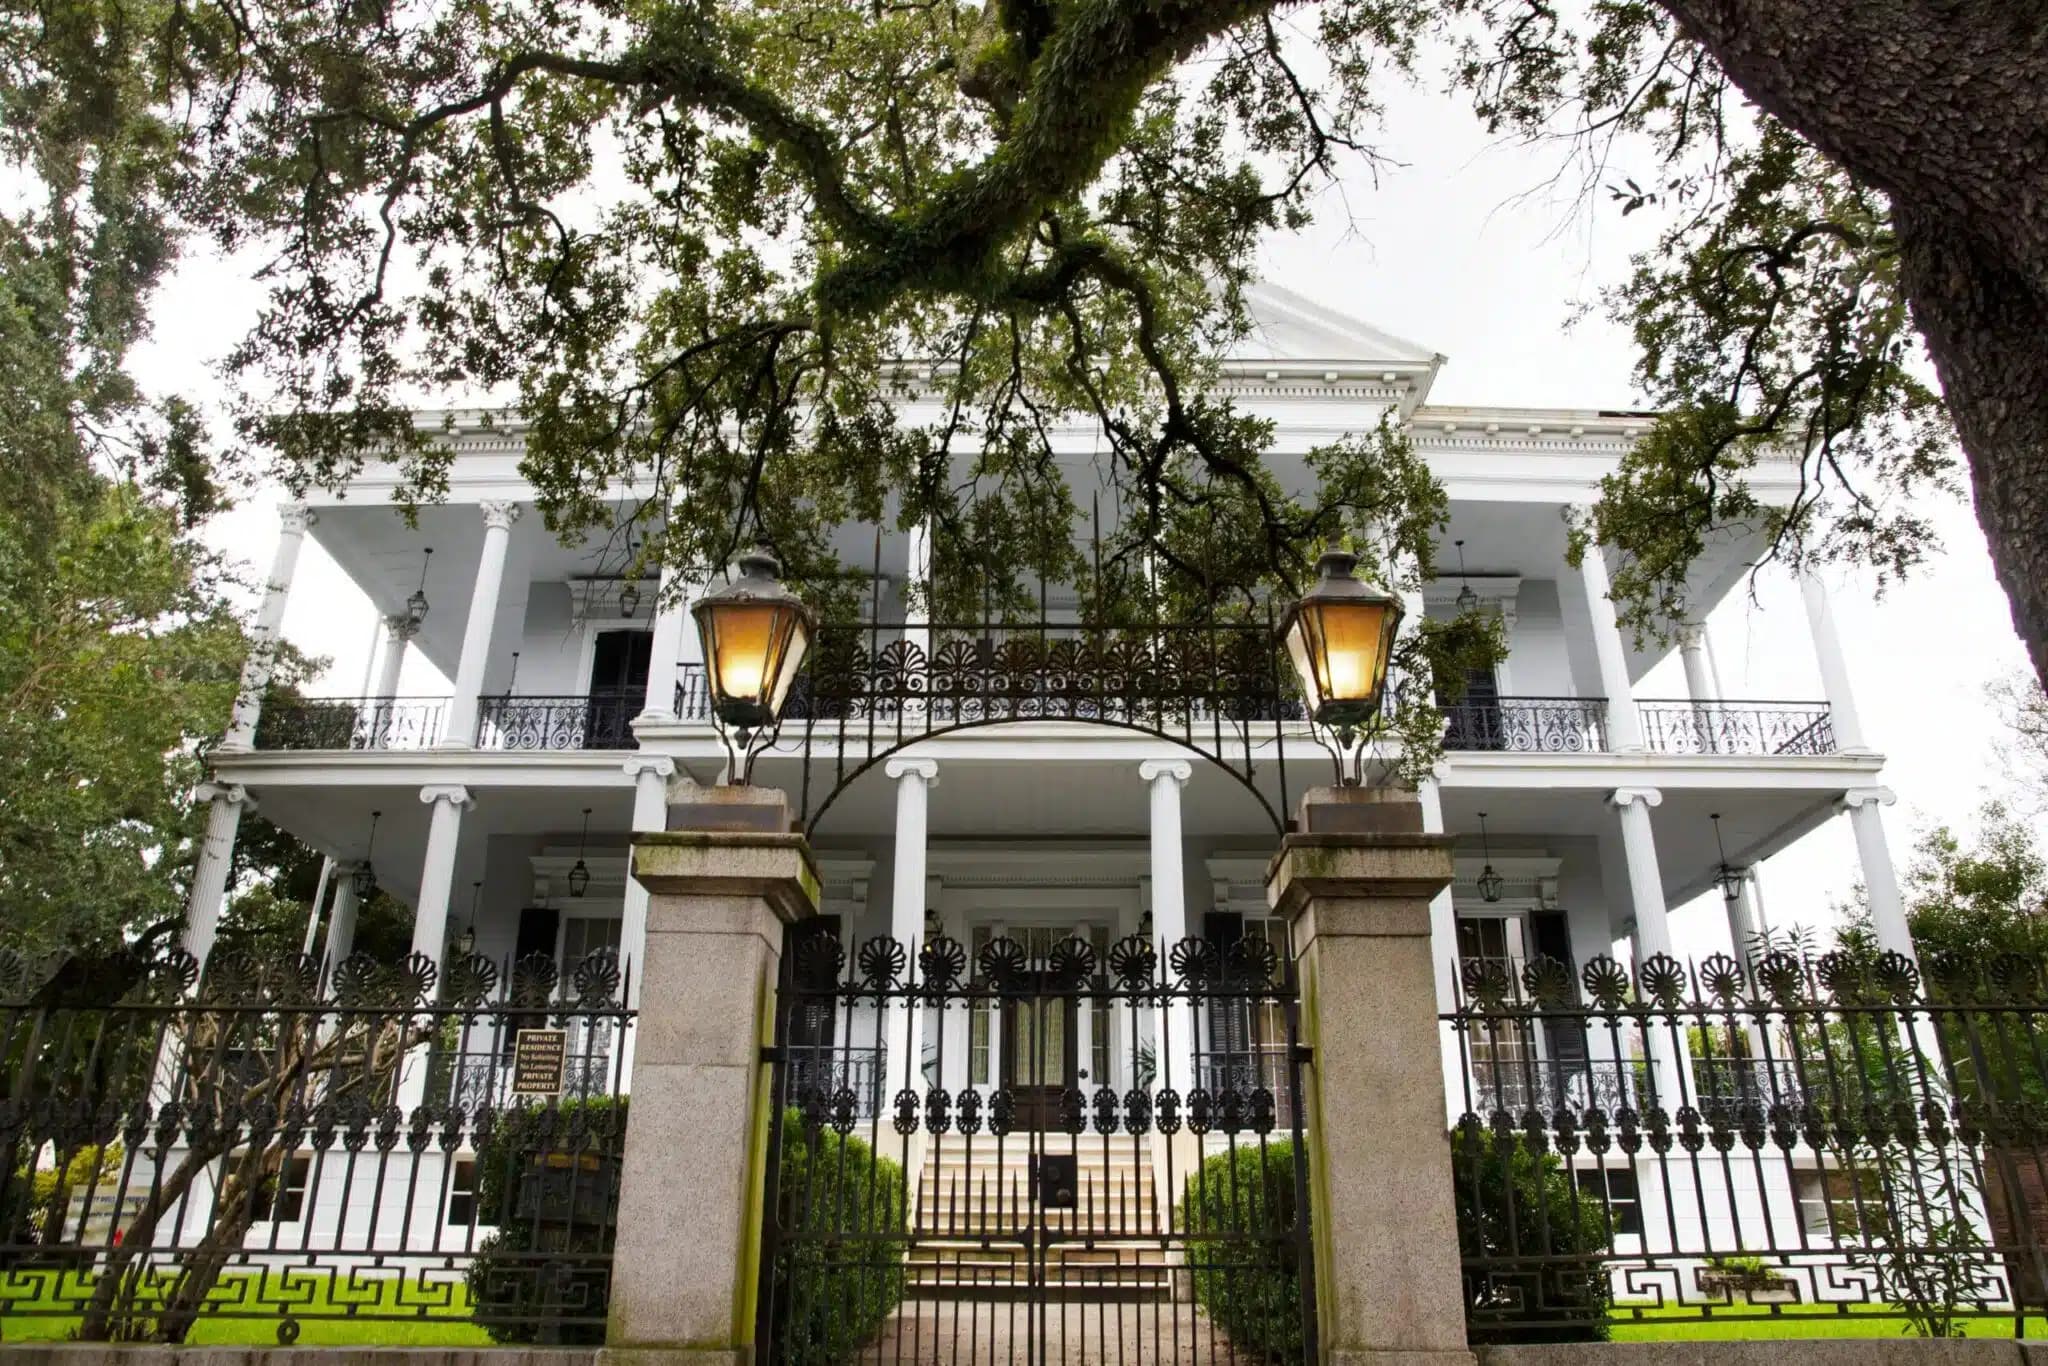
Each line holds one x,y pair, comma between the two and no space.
540,1058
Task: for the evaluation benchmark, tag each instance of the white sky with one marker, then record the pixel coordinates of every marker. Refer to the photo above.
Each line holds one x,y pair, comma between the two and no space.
1448,251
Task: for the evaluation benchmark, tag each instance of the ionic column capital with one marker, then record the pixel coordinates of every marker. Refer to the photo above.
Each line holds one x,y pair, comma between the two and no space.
295,519
454,794
1152,770
927,769
658,764
232,793
498,515
1866,796
1623,797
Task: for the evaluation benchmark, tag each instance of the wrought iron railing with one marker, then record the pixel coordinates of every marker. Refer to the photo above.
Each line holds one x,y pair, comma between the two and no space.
693,693
196,1133
1528,725
597,720
1830,1132
349,722
1681,727
1556,1085
824,1070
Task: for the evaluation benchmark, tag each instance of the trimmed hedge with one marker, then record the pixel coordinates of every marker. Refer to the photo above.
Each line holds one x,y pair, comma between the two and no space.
832,1294
549,1260
1513,1202
831,1297
1239,1213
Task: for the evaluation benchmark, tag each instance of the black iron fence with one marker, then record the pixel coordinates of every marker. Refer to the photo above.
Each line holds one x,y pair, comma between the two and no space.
437,1149
1079,1176
349,722
1827,1137
1680,727
595,720
1532,725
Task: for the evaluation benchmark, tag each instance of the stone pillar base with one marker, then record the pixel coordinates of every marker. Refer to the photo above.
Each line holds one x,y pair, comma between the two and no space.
1396,1357
674,1356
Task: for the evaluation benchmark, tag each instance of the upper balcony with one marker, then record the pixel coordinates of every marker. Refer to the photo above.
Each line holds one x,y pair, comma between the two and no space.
602,720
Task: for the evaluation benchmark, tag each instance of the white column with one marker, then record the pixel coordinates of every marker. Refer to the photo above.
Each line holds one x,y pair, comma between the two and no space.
397,634
341,925
905,1037
1834,666
1443,957
665,652
1880,880
650,774
476,632
1645,881
319,900
1692,654
224,803
293,521
1624,726
437,870
1176,1048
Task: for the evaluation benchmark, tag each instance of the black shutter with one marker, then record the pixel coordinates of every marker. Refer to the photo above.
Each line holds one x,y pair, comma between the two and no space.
1230,1025
1550,936
538,929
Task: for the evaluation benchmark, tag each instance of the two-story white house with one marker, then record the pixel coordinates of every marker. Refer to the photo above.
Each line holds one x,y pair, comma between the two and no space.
1581,807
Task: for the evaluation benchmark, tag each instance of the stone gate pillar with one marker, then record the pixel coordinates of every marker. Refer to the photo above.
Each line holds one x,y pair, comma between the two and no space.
721,890
1355,885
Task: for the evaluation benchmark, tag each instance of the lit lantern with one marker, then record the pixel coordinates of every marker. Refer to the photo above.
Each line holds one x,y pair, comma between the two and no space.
1340,636
755,632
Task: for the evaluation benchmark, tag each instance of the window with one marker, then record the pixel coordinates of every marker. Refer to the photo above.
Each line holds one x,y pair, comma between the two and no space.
1614,1190
583,935
1838,1204
283,1193
462,1193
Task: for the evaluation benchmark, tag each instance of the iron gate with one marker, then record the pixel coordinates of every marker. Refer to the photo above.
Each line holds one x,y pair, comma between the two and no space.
1100,1158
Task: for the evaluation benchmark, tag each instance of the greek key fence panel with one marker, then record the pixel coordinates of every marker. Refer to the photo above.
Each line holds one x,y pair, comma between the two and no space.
1788,1137
435,1148
1099,1158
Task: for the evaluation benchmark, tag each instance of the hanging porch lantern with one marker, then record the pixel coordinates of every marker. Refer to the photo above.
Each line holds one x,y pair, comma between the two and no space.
579,876
1491,883
363,881
1340,636
1727,877
755,633
416,605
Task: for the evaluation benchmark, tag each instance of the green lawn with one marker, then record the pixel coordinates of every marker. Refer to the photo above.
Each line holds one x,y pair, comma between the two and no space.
1675,1324
36,1306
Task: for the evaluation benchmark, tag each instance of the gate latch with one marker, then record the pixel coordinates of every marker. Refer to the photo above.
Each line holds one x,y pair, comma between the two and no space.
1055,1180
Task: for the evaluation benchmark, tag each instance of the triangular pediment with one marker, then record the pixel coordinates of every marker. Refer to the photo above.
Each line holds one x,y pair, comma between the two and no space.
1287,326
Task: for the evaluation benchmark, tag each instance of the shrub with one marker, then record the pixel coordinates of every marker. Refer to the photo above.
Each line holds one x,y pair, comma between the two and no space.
1239,1213
1515,1203
832,1294
547,1177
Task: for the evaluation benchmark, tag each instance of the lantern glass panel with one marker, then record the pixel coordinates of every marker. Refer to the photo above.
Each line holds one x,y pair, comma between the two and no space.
1340,651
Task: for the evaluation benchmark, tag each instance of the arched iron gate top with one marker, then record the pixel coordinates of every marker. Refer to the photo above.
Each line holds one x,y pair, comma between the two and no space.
869,691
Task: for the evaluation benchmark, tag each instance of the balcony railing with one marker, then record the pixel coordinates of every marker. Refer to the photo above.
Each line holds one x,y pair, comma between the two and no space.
816,1074
1552,1085
1528,725
1680,727
1728,1086
693,694
598,720
349,723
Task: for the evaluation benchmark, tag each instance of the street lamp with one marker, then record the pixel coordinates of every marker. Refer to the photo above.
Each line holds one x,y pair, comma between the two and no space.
755,633
1340,637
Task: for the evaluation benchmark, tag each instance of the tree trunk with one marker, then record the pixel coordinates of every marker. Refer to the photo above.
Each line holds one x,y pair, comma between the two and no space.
1940,104
1988,333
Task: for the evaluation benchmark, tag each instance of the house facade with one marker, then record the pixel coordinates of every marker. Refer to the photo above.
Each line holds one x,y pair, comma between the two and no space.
1584,811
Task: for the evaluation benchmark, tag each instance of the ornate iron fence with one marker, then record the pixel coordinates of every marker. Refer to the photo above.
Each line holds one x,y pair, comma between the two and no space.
349,722
1791,1137
265,1145
1528,725
1219,689
597,720
1014,1207
1679,727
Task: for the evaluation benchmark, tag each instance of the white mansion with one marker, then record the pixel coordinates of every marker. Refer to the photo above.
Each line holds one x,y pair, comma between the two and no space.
577,715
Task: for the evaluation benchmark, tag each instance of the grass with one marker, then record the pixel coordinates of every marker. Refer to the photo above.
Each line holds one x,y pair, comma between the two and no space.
1672,1323
38,1306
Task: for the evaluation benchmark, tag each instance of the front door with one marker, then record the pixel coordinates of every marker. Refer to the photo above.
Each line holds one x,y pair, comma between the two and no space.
1041,1056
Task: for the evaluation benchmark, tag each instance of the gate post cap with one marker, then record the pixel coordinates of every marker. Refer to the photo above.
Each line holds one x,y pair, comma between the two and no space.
776,867
764,810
